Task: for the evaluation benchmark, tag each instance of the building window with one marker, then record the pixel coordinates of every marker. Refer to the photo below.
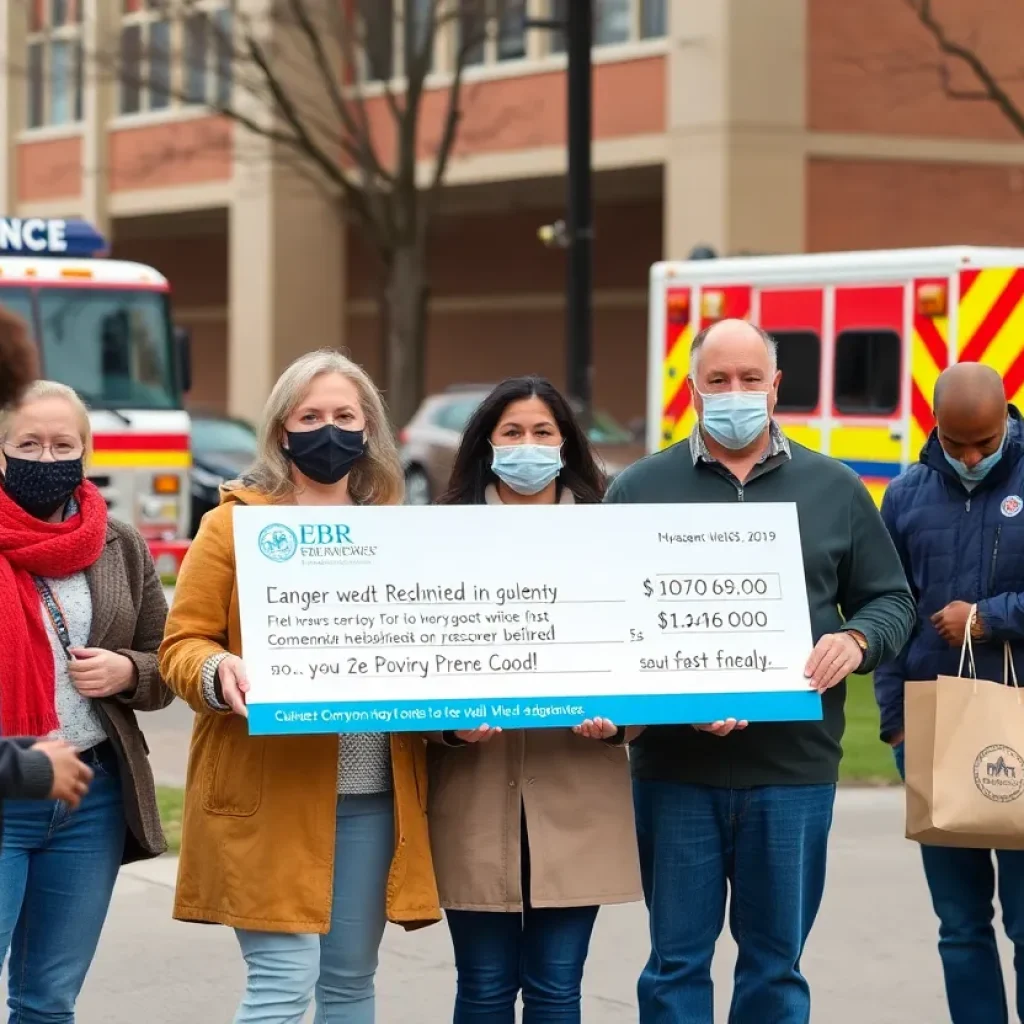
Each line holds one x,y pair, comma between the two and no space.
799,355
616,21
492,31
867,374
175,57
54,62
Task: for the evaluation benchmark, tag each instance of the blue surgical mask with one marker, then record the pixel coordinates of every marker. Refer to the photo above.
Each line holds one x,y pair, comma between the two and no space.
527,468
975,474
735,419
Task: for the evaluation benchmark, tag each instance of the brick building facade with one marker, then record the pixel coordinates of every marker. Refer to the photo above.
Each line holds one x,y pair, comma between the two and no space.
749,125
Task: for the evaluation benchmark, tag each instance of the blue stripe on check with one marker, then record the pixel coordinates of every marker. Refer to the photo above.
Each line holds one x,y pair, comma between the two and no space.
874,470
529,712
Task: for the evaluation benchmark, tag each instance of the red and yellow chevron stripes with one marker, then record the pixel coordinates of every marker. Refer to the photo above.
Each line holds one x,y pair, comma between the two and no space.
677,415
929,356
991,323
676,411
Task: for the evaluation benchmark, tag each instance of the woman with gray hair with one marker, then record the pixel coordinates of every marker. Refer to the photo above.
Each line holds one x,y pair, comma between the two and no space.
305,845
83,615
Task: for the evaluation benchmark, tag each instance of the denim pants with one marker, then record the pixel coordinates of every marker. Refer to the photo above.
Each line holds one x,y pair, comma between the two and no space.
540,952
767,845
57,872
963,884
284,970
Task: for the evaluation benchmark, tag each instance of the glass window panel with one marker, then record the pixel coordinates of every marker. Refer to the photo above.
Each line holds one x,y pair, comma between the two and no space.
113,347
612,22
799,354
159,65
19,302
378,18
36,85
653,18
224,48
79,78
58,13
196,38
867,372
559,12
511,29
131,68
61,82
473,31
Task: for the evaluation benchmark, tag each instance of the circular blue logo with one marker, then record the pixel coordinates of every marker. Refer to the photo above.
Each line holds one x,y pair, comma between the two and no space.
278,542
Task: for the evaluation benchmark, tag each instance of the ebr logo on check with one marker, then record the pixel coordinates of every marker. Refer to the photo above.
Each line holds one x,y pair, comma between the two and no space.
278,542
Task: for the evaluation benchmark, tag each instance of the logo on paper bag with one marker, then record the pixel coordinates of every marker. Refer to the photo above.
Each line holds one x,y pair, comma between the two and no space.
1011,506
278,542
999,773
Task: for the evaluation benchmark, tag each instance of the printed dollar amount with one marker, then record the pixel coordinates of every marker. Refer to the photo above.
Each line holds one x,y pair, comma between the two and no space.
755,586
710,622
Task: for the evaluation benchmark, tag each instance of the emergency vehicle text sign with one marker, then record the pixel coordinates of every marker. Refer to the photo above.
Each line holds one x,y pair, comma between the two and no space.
424,618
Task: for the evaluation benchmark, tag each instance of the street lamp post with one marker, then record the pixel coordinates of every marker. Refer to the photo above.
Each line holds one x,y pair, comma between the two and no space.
577,234
580,219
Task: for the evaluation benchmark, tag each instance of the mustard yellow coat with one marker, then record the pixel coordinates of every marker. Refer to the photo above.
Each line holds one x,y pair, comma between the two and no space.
258,839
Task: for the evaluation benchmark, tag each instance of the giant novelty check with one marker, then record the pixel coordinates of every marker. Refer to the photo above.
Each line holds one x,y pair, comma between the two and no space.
425,618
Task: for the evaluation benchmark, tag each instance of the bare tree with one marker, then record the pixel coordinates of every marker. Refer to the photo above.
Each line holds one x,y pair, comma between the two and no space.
314,78
959,54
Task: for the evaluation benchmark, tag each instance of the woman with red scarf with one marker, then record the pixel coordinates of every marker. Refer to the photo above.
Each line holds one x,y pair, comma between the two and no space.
82,617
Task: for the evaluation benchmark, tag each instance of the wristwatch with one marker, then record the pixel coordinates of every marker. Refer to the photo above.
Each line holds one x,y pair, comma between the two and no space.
860,640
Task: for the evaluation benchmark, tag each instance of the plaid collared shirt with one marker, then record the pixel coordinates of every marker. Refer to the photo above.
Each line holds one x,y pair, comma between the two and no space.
778,445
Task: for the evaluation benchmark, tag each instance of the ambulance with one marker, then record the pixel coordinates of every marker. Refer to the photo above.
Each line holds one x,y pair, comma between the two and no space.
104,328
862,337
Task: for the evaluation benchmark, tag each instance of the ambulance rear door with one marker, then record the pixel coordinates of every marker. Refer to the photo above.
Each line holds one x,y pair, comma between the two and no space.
866,379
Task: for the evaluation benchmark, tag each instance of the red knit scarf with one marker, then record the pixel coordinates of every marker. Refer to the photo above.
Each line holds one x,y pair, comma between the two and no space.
30,547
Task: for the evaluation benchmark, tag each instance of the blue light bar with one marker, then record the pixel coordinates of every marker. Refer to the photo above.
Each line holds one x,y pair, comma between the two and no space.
34,236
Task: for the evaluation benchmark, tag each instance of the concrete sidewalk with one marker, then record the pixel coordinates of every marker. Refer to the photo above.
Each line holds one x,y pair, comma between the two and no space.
871,959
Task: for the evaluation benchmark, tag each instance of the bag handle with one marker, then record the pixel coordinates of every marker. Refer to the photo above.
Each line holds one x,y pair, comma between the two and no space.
967,650
1010,670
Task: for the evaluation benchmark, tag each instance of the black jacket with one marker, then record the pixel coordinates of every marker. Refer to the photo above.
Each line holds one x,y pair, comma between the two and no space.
24,774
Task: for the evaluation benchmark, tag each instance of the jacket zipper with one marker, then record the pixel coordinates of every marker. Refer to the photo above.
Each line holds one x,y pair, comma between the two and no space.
995,555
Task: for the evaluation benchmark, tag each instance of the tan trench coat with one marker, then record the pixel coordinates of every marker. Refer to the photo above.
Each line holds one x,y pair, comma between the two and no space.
578,803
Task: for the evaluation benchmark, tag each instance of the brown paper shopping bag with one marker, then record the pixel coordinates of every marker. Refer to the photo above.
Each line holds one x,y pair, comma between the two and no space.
965,759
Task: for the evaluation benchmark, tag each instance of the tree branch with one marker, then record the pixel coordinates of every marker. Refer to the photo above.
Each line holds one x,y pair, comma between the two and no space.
990,90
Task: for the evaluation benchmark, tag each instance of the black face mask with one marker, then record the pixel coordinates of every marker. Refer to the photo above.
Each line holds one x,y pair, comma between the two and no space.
41,488
326,454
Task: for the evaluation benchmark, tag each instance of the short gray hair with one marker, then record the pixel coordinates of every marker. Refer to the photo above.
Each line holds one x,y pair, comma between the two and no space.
698,343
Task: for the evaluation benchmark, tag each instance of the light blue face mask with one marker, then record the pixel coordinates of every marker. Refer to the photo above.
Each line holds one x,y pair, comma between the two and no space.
975,474
735,419
527,468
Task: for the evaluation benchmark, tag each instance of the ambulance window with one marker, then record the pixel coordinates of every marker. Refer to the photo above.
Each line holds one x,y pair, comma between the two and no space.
800,362
867,380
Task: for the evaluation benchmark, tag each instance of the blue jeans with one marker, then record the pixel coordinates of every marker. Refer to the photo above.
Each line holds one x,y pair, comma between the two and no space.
285,970
768,845
57,872
962,884
541,952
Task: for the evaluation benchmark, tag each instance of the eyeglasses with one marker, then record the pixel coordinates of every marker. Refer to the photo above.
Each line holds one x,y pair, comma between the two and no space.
32,451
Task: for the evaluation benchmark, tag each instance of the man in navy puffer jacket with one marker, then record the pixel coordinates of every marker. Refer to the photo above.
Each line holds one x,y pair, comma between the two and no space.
957,523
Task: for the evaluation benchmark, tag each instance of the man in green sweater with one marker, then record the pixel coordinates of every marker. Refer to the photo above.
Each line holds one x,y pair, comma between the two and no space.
724,806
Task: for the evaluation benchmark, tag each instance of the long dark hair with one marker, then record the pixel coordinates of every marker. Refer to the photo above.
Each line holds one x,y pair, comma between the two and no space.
472,470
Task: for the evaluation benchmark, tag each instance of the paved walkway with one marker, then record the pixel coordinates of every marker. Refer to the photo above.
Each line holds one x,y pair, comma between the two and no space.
871,958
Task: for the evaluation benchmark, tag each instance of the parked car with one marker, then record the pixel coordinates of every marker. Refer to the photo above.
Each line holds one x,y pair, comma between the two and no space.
431,439
222,449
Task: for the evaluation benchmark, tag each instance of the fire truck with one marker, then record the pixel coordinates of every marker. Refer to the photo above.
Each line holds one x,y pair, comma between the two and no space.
104,328
862,337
